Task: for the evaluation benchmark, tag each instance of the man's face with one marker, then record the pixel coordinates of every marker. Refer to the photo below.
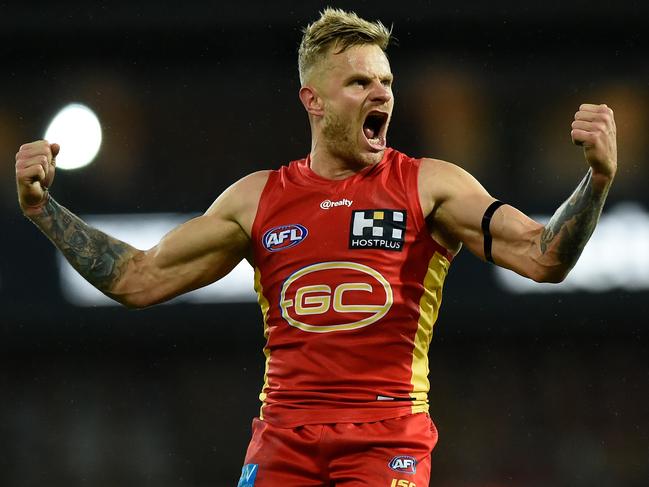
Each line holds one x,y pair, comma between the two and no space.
356,88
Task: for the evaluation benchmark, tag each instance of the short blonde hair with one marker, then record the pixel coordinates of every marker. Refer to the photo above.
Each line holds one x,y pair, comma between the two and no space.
340,29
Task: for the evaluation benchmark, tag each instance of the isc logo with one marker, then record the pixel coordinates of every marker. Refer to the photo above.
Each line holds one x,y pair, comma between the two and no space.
284,237
402,483
403,464
335,296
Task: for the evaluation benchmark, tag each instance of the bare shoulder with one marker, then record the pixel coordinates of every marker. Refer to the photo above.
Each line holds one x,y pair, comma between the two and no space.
254,181
239,202
440,180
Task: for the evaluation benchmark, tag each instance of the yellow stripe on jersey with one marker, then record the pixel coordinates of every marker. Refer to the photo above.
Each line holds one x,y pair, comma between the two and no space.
264,305
428,310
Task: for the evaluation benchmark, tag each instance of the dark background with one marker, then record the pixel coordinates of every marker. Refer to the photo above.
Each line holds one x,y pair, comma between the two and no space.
526,390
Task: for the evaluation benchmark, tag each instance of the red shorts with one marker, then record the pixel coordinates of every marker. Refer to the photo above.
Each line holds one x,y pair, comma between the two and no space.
390,453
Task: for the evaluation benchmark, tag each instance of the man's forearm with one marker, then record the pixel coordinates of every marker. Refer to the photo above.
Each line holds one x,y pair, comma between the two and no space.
569,229
99,258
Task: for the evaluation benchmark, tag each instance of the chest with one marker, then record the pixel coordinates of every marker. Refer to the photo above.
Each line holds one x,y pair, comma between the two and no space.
302,225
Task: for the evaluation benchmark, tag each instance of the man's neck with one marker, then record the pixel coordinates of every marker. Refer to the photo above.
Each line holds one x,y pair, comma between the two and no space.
330,166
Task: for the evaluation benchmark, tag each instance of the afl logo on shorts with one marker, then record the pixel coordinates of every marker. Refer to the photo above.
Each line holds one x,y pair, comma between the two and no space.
284,237
335,296
403,464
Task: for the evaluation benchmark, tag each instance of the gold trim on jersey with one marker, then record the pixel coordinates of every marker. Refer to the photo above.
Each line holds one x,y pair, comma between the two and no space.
429,305
265,306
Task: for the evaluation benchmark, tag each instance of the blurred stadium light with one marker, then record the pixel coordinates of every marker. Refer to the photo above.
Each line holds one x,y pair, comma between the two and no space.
77,129
616,257
143,231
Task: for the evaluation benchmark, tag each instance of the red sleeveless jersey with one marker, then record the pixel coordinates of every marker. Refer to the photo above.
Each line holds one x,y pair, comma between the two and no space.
349,282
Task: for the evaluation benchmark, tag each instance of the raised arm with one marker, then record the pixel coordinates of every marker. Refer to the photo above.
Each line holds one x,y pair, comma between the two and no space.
456,204
194,254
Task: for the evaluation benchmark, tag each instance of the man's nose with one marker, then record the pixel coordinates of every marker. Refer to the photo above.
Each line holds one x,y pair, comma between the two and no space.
380,92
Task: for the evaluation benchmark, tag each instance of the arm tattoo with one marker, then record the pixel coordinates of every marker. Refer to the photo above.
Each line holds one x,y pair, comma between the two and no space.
99,258
574,222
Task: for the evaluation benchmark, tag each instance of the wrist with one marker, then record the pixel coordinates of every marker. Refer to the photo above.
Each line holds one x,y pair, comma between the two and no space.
32,211
601,181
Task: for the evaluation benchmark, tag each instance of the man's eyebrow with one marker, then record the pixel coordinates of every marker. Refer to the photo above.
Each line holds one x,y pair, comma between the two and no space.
365,76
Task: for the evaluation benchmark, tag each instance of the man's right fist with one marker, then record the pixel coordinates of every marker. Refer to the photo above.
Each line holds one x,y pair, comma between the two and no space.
35,167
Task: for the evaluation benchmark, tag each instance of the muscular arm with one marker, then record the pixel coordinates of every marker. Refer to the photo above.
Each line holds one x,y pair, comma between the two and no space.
574,221
551,250
99,258
194,254
457,203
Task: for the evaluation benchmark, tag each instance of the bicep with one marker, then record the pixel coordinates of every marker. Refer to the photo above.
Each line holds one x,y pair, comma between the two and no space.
461,205
197,252
201,250
192,255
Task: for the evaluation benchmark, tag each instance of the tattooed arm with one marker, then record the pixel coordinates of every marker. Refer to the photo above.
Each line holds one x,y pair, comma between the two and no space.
456,203
573,223
99,258
194,254
546,253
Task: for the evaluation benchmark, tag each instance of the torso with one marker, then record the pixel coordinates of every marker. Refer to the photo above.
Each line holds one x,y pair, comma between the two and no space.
349,281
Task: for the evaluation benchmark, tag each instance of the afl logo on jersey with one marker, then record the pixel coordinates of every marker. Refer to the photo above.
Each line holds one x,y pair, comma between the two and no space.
284,237
335,296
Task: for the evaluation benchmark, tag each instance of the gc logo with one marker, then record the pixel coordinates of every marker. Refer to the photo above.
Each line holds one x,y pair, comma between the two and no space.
354,296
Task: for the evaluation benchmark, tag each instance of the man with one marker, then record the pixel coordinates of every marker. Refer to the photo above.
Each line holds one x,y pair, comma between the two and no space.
350,247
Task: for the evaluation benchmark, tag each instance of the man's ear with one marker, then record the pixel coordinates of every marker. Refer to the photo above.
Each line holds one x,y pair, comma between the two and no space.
311,100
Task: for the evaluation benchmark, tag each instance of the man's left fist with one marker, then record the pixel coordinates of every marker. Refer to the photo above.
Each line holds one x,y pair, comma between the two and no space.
594,129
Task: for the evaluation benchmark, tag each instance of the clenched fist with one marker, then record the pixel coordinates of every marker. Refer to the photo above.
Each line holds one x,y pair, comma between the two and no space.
35,167
594,130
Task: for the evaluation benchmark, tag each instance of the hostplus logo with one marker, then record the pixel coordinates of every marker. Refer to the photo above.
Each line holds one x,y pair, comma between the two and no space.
378,229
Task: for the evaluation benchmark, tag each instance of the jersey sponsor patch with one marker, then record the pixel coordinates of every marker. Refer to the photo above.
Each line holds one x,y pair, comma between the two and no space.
378,229
403,464
328,204
248,475
284,237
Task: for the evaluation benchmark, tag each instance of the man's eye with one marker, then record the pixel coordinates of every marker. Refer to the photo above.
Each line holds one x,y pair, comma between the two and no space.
359,82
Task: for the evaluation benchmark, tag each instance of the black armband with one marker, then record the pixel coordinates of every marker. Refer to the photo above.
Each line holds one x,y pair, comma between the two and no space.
486,220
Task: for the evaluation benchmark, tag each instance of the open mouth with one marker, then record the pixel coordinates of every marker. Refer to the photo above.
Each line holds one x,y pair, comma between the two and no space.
374,129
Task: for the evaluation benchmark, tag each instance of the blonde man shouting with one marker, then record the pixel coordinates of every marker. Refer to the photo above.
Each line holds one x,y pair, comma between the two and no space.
350,246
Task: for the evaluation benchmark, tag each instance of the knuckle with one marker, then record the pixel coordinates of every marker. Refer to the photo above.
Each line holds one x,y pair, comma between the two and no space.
603,127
